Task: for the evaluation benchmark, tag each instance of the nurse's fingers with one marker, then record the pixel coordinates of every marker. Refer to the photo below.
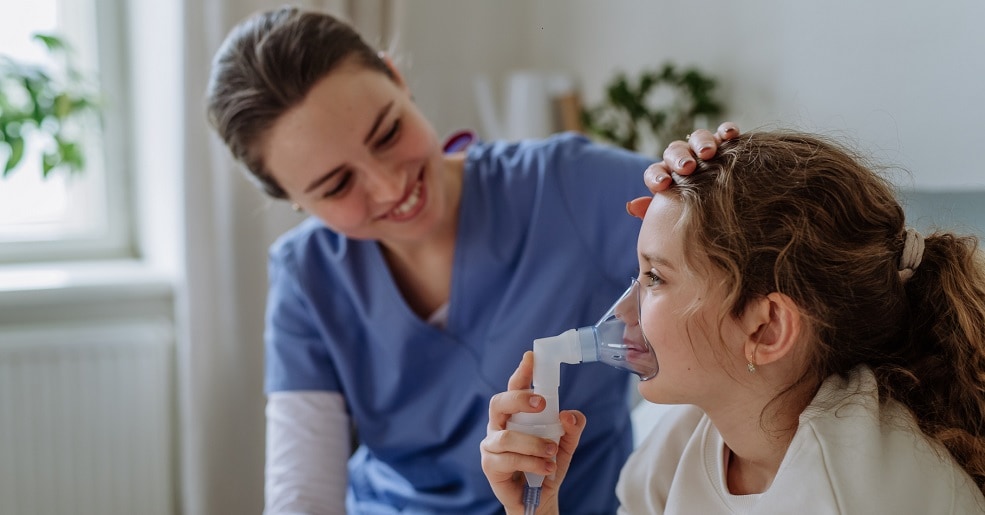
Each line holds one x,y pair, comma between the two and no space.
638,206
726,131
657,178
679,156
702,143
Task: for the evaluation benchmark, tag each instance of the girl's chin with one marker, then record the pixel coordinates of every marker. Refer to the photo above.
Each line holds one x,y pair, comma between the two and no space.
652,392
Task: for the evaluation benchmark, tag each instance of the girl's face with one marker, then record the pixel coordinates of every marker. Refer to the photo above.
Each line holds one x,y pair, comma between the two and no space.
679,313
357,154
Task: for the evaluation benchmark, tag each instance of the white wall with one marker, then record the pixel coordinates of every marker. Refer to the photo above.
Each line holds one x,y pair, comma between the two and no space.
441,46
903,79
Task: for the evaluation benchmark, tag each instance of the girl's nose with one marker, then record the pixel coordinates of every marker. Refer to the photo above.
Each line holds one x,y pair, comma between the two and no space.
627,308
626,311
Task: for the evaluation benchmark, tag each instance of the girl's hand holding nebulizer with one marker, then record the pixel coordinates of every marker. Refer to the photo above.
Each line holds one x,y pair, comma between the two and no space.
524,425
506,452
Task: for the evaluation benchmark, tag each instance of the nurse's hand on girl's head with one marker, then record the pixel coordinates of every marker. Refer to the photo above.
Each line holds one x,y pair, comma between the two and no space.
679,156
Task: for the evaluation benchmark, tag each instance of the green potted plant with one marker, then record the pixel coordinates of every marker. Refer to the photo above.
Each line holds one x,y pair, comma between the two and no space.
660,105
38,102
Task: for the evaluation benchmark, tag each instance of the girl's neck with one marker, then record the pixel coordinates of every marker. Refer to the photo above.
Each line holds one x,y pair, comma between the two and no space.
752,469
757,437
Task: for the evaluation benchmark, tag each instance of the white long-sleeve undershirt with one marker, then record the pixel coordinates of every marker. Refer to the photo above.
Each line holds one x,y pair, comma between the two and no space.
308,447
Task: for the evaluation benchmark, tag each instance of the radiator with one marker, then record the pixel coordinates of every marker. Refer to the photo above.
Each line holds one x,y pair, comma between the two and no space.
86,420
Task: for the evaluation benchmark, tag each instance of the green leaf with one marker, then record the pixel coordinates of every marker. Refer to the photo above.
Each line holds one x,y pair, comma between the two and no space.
628,112
39,101
82,104
71,155
49,161
51,41
16,146
61,106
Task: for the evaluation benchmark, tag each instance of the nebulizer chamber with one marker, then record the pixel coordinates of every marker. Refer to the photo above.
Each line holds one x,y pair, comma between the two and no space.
616,340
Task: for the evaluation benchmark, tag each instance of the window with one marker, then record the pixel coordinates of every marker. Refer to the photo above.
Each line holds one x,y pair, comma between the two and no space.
69,216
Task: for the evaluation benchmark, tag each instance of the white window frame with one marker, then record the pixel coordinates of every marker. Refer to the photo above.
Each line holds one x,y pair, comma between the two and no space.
107,154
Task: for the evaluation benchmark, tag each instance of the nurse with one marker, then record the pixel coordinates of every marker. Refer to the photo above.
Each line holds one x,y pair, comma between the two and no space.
401,305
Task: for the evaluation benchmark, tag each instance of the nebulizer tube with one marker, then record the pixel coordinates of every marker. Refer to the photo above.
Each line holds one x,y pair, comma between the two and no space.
616,340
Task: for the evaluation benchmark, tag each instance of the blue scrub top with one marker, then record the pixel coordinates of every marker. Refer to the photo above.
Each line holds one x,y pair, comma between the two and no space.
544,244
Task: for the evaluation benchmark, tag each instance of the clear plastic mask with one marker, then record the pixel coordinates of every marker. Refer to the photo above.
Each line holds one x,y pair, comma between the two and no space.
619,338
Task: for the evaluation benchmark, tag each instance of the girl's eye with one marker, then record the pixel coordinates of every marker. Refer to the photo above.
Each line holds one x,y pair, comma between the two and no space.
339,186
390,134
650,279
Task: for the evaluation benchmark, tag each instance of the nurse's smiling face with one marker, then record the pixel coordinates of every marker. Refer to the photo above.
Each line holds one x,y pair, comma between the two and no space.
358,154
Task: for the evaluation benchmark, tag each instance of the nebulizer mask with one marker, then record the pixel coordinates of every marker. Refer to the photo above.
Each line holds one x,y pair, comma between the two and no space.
617,340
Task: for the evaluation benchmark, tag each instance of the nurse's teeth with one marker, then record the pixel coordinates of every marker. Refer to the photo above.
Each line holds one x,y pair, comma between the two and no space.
411,201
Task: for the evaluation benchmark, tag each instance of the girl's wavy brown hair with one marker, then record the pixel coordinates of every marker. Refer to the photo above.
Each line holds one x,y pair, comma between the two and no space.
802,215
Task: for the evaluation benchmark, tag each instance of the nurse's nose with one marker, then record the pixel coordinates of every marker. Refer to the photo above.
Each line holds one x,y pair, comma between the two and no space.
385,184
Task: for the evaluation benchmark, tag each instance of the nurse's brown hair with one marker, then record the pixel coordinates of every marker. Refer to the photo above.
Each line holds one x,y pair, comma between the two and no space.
267,65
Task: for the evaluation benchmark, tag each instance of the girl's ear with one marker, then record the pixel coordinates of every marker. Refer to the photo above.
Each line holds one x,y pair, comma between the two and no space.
397,76
772,326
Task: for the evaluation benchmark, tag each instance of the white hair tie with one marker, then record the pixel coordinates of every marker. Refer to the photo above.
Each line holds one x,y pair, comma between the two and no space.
912,254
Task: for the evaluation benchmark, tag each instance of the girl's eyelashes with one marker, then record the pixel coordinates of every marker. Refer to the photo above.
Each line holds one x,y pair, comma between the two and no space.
340,185
651,279
390,134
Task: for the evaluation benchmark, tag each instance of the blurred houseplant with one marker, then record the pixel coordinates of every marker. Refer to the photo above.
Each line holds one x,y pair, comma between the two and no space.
656,108
49,104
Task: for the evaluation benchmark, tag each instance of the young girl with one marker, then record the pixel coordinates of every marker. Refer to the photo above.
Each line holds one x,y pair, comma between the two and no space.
420,276
825,357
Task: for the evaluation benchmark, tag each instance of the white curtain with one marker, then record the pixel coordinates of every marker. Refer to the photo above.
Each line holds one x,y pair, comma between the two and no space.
227,227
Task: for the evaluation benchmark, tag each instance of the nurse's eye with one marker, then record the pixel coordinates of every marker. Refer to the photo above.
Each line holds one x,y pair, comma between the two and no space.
340,185
390,134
